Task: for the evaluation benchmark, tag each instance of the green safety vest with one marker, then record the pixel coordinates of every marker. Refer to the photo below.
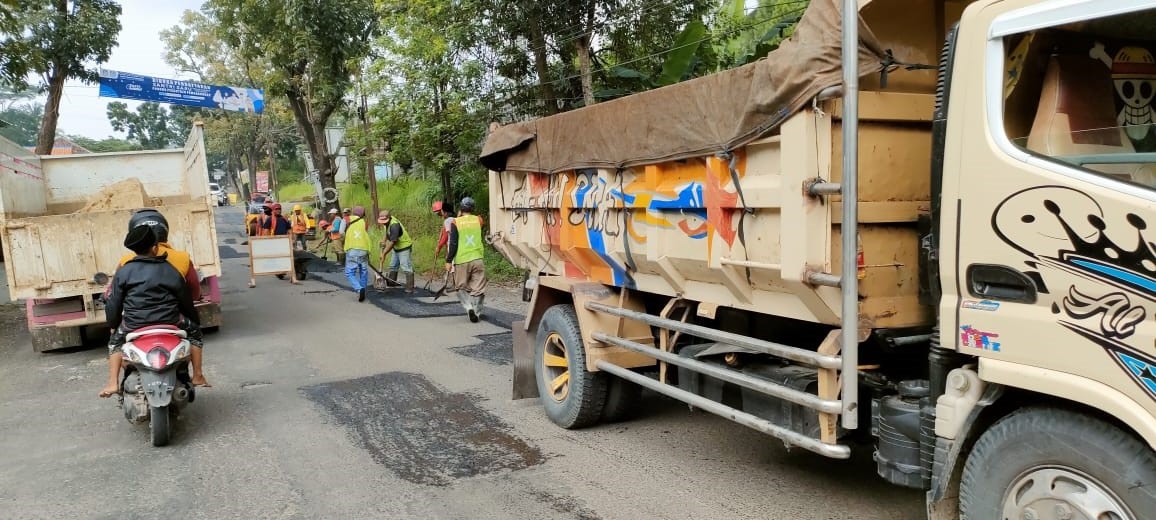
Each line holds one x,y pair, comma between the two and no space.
403,242
470,246
357,236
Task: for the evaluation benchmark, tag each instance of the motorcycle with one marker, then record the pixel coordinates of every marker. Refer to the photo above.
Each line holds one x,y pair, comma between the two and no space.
156,385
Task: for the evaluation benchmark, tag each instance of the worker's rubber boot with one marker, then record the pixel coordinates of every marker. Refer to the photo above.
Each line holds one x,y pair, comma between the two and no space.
480,303
391,279
473,309
409,283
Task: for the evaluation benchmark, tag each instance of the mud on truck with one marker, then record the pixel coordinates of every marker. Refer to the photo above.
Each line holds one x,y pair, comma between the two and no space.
922,230
62,226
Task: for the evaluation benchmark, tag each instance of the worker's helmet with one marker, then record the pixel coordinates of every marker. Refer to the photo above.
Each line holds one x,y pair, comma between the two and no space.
296,207
151,217
467,204
277,206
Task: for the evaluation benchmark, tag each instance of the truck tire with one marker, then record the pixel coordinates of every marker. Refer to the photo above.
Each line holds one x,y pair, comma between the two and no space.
1056,463
572,396
622,400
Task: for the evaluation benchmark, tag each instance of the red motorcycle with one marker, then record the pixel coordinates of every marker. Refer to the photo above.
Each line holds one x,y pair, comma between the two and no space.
156,384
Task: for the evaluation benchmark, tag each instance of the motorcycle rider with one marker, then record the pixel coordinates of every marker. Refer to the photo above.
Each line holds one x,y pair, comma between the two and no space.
179,259
148,290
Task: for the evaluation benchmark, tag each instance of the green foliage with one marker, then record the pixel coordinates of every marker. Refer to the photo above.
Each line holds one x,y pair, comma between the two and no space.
65,38
23,120
677,65
61,40
152,126
741,37
409,199
108,144
311,48
234,141
295,191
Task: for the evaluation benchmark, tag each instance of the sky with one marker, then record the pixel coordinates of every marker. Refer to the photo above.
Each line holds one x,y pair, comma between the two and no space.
139,50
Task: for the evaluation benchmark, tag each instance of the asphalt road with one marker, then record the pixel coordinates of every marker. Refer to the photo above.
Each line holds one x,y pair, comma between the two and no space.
326,408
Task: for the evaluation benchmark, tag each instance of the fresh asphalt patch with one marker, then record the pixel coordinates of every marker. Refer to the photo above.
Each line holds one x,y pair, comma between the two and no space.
228,252
420,304
496,349
420,432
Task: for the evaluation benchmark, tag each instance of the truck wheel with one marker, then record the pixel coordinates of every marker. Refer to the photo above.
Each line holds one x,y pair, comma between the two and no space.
1054,463
159,425
572,396
622,398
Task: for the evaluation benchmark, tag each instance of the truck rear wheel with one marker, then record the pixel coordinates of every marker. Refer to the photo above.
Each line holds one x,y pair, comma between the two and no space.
572,396
1053,463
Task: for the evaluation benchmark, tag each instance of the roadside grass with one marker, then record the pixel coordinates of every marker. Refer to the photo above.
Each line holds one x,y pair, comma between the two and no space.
409,200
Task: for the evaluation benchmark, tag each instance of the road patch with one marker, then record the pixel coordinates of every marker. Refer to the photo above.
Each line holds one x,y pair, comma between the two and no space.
420,432
495,349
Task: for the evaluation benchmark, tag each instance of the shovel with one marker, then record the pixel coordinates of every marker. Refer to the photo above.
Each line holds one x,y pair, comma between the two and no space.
388,282
445,285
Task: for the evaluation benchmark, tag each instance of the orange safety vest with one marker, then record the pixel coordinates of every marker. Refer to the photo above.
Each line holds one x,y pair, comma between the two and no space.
300,224
177,258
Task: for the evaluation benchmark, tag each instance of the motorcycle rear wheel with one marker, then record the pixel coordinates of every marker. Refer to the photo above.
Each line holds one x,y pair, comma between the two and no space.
159,425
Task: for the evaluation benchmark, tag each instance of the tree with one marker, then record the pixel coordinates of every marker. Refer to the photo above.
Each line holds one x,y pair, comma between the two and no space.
108,144
13,48
311,47
195,46
63,39
23,122
152,126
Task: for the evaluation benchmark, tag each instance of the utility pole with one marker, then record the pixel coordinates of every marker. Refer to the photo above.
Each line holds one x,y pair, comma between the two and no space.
368,151
272,169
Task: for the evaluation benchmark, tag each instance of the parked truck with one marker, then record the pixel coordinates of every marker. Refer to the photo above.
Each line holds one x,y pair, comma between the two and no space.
981,314
61,248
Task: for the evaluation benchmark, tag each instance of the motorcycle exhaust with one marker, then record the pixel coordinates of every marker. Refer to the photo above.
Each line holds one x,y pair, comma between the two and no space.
181,394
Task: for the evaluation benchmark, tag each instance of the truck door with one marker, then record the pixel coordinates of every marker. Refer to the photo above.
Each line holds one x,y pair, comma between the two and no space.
1048,200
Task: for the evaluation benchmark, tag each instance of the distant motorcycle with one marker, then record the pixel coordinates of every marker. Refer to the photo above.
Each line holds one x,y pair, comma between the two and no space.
156,385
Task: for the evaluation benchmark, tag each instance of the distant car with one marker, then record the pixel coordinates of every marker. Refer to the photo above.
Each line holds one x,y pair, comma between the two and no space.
217,193
258,200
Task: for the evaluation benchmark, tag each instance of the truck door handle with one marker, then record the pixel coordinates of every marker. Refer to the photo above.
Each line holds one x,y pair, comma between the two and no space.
1000,282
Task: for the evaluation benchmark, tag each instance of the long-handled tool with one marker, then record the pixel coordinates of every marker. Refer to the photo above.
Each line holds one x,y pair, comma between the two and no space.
445,285
388,282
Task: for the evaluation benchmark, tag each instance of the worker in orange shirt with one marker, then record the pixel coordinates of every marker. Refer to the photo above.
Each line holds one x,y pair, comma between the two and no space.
299,225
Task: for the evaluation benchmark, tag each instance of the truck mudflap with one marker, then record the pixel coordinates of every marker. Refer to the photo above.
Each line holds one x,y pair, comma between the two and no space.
525,384
943,497
47,339
209,315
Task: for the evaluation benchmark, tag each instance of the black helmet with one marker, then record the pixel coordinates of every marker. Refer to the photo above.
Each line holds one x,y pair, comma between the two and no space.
151,217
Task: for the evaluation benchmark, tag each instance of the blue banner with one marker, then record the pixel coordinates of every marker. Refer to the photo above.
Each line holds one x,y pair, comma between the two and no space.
124,85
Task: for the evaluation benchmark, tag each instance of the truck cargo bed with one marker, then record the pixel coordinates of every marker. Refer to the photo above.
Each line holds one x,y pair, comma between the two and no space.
687,228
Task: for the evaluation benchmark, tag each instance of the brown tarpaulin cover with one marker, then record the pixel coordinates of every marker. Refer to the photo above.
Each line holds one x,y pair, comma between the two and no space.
699,117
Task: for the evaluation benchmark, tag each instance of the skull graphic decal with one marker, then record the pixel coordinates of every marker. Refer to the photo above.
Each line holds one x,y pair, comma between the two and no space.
1134,76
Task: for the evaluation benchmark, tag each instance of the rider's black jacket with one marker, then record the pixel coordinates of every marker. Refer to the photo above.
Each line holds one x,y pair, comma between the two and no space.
148,290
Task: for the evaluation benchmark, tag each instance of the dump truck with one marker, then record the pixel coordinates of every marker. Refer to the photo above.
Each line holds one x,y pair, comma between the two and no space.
63,222
920,231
